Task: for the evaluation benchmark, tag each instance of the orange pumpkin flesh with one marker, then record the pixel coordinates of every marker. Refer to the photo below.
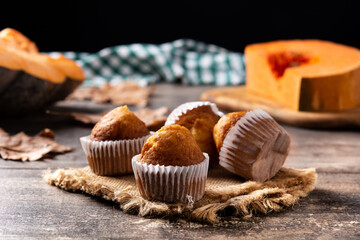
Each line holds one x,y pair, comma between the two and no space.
30,80
17,52
305,75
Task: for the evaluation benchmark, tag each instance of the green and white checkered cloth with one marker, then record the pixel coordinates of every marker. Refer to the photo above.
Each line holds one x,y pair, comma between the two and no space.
185,60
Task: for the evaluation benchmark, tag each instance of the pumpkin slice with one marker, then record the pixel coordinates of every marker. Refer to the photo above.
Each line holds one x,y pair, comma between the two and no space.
29,79
305,75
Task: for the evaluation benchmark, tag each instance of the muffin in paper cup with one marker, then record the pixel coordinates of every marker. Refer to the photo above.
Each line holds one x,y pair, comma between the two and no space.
186,107
184,184
251,144
171,166
114,140
200,118
111,158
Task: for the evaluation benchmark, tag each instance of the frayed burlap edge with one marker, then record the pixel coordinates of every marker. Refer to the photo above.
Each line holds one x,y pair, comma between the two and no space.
240,200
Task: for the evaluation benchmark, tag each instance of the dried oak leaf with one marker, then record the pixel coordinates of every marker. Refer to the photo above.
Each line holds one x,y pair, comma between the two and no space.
88,118
124,93
151,117
25,148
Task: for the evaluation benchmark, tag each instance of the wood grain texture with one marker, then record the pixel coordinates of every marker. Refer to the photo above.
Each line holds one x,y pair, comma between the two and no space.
30,208
237,99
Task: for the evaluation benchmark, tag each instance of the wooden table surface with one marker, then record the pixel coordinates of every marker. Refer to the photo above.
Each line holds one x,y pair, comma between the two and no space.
30,208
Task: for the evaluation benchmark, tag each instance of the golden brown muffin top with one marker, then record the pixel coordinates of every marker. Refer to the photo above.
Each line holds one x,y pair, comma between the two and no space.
201,121
224,125
204,112
172,145
119,124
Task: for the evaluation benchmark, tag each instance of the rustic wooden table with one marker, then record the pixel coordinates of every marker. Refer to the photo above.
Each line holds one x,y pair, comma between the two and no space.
30,208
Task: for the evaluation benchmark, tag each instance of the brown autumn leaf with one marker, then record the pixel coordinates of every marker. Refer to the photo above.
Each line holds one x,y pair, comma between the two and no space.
25,148
151,117
124,93
88,118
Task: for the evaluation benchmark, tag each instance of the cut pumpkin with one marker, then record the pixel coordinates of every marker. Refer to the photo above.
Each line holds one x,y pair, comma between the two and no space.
305,75
29,79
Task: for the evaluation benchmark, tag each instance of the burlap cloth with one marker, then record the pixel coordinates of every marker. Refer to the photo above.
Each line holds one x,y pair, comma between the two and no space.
226,195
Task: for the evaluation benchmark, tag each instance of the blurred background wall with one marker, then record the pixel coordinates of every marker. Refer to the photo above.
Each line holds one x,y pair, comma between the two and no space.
90,26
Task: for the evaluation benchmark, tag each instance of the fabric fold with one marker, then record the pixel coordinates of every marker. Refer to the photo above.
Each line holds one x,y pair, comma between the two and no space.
187,61
226,195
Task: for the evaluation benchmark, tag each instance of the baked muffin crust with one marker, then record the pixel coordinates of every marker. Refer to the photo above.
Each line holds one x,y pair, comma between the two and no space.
224,125
201,121
202,112
172,145
119,124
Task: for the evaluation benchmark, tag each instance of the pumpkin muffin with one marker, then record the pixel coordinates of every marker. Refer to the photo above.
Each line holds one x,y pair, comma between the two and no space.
200,118
114,140
119,124
171,166
224,125
251,144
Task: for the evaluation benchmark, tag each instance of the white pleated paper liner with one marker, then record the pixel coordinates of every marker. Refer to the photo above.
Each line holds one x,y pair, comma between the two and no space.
112,158
256,147
185,107
171,184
